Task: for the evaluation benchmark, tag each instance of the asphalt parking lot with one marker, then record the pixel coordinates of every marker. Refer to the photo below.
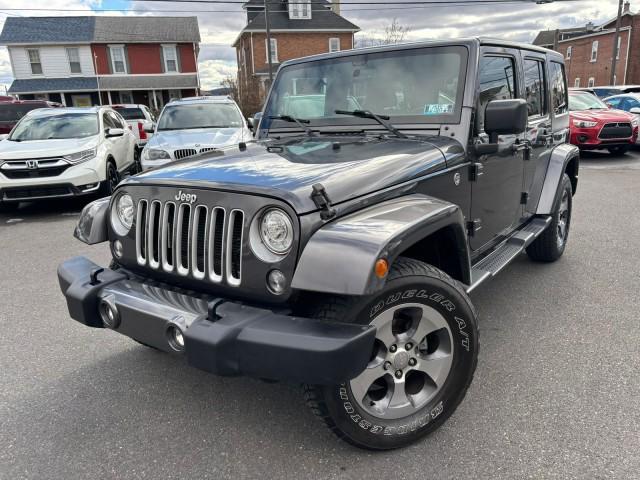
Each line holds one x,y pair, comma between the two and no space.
555,395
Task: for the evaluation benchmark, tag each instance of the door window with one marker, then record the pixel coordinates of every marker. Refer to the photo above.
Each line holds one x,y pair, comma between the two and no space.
108,121
497,82
535,87
558,89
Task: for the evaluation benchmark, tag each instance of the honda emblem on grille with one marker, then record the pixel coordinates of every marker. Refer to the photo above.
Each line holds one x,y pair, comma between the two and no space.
31,164
186,197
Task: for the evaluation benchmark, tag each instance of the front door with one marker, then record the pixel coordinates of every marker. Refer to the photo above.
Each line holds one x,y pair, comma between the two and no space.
496,193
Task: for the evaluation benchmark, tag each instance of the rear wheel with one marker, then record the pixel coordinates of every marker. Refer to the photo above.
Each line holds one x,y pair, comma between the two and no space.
550,245
619,149
421,365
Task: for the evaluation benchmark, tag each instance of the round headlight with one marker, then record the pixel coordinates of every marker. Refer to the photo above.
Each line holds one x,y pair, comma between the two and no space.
122,214
276,231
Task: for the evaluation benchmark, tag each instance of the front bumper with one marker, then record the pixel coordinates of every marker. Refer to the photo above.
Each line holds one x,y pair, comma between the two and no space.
75,180
589,138
220,336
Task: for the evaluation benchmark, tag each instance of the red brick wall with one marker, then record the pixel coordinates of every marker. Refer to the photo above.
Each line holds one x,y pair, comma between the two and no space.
144,58
295,45
187,58
580,65
99,52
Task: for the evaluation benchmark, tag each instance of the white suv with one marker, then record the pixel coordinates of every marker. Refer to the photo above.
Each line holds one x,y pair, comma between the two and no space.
64,152
192,126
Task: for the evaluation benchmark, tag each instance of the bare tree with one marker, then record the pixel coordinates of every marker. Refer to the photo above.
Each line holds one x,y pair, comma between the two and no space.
395,33
248,96
392,33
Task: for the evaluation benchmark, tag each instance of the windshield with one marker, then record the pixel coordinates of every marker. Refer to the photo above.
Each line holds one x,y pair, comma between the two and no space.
130,113
12,112
200,115
585,101
418,85
65,125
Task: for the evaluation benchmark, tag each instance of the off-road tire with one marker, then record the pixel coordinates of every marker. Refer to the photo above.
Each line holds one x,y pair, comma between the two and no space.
409,282
547,247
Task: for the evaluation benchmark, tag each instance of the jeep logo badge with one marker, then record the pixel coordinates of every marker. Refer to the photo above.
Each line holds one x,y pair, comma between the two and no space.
185,197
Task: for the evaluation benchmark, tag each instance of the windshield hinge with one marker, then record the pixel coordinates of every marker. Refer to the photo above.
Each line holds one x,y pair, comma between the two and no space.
322,201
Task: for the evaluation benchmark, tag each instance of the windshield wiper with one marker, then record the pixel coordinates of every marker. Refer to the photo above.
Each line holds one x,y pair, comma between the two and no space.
381,119
300,121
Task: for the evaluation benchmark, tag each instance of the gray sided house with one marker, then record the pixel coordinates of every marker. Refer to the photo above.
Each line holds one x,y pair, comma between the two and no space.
80,61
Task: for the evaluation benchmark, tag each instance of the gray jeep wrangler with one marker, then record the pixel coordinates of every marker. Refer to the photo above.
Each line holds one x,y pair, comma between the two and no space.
338,250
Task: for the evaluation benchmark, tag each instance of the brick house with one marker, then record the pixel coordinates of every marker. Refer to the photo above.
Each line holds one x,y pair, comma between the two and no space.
81,61
298,28
589,51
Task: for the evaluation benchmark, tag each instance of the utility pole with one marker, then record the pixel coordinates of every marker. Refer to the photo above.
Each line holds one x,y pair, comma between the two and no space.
616,39
268,29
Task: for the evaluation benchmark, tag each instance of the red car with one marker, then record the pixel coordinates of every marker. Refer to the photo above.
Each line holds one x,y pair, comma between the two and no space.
594,125
13,110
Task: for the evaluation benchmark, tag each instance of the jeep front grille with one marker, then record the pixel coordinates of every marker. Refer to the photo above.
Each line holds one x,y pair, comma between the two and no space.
191,240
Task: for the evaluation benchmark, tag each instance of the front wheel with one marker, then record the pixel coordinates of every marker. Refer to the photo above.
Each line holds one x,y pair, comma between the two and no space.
619,150
422,363
111,180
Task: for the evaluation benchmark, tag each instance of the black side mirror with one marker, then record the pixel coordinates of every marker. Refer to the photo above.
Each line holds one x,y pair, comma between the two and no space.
503,117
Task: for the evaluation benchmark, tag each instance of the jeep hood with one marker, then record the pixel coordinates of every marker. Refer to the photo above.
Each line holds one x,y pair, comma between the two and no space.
348,167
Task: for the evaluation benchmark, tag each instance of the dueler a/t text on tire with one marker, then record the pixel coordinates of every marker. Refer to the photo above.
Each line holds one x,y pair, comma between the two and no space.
422,363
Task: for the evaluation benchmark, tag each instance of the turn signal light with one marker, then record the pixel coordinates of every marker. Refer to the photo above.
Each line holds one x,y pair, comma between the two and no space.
381,268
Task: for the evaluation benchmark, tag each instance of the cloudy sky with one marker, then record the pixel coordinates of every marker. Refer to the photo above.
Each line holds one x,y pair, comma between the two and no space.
220,24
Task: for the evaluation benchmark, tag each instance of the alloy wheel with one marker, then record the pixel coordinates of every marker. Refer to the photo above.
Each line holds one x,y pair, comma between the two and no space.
410,362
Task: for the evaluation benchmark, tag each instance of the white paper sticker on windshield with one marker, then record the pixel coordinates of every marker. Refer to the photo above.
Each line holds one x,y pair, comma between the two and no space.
438,109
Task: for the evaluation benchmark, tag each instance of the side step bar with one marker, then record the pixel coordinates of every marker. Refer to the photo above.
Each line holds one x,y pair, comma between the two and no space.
502,256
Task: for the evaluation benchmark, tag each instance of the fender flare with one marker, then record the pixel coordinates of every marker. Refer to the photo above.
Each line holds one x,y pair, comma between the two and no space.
340,257
560,157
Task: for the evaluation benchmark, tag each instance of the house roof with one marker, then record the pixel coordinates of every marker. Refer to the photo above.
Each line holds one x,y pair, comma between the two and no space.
322,18
47,30
36,85
545,37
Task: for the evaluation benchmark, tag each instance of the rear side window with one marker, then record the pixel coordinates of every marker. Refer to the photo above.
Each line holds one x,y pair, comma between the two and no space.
497,82
130,113
558,89
535,87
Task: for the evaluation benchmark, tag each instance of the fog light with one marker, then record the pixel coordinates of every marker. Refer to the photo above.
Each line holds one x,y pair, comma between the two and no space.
277,282
109,312
117,248
175,338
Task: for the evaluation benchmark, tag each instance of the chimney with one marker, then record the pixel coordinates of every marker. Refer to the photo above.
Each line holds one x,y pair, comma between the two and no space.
335,6
627,8
590,27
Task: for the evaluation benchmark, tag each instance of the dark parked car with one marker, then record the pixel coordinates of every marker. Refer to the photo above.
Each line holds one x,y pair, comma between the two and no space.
13,110
339,250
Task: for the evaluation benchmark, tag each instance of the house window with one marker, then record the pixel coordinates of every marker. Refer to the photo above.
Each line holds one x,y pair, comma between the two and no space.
170,58
118,64
334,44
569,53
576,83
73,54
34,60
594,51
126,97
274,50
300,9
618,48
592,82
